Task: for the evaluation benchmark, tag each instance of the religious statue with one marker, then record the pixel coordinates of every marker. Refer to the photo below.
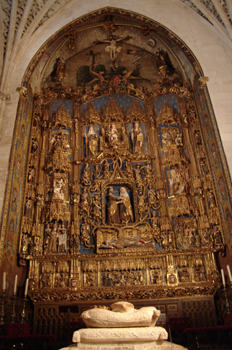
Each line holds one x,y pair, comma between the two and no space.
106,170
211,199
112,47
85,179
217,236
178,139
75,197
91,142
84,202
200,273
113,135
126,213
148,173
163,62
62,239
45,280
52,248
129,169
184,275
24,244
76,124
59,69
138,177
28,207
142,206
96,209
59,188
96,179
155,224
152,197
31,175
34,145
85,234
177,182
137,139
112,207
197,137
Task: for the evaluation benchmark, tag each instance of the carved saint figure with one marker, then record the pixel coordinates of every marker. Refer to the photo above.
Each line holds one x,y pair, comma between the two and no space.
128,169
148,173
106,169
52,248
96,179
84,202
112,207
91,141
126,212
211,199
113,135
163,62
34,145
59,188
62,239
142,207
31,175
155,223
178,139
96,209
85,234
85,179
47,232
138,177
24,244
137,139
152,197
177,182
59,69
28,207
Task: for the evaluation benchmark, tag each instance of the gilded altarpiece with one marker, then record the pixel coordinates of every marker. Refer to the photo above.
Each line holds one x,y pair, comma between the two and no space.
125,195
119,194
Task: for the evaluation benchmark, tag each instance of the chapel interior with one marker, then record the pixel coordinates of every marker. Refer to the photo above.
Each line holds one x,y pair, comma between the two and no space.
118,186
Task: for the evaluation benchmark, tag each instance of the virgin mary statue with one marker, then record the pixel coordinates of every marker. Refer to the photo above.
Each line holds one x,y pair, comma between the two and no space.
126,207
